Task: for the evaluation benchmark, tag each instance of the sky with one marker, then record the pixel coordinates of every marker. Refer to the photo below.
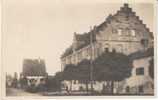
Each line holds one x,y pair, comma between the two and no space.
44,28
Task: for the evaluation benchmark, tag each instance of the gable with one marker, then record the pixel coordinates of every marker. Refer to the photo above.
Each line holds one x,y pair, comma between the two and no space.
127,21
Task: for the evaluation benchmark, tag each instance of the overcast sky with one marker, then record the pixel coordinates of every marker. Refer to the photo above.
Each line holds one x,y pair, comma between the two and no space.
44,28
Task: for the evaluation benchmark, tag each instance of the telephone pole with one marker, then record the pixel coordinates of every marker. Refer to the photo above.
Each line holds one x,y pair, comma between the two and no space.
91,59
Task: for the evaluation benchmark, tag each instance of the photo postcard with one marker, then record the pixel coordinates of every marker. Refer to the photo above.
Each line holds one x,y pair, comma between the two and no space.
81,48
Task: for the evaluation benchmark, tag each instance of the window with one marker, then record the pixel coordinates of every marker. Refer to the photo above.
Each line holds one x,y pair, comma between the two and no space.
88,52
74,81
140,71
81,88
106,49
114,31
80,56
114,50
133,33
119,32
144,42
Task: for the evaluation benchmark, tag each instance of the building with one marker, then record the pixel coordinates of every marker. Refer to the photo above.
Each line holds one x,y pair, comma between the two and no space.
141,80
34,70
123,32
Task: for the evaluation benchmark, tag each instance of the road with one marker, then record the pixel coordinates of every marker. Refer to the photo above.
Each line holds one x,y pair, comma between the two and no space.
19,92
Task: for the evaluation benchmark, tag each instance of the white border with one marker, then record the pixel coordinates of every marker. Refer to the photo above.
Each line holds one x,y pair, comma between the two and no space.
88,97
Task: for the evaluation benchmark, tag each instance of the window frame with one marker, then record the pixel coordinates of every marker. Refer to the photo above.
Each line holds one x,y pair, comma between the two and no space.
140,71
119,32
133,33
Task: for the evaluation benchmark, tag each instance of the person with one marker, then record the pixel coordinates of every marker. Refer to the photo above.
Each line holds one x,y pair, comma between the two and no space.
23,82
15,83
32,88
15,80
67,90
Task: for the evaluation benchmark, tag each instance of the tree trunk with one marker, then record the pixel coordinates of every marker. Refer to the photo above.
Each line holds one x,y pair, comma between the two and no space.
71,86
87,86
112,87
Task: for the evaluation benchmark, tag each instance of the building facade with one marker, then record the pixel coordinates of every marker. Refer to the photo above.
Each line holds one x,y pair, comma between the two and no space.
123,32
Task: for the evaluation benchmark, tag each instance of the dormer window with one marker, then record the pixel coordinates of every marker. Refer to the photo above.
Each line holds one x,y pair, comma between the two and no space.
119,32
133,33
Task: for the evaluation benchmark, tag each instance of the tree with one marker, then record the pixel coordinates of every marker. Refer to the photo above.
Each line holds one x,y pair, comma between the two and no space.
151,68
70,73
53,83
23,81
112,66
84,72
150,52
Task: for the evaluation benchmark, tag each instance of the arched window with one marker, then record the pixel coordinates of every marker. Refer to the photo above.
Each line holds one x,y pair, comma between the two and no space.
114,50
106,47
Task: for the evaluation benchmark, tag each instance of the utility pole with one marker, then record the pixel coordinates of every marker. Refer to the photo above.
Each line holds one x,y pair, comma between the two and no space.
91,59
